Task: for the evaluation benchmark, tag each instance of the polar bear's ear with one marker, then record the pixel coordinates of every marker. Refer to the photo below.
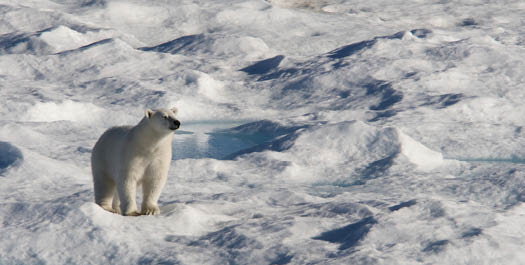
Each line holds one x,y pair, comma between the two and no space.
174,110
149,113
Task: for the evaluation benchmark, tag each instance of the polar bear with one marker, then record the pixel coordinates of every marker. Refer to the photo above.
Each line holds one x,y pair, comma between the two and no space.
129,156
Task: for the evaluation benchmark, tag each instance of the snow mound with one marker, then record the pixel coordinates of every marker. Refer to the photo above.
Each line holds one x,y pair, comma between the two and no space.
66,110
330,152
63,38
348,152
49,41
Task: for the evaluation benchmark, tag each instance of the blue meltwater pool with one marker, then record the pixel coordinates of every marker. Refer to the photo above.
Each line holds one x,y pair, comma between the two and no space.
209,140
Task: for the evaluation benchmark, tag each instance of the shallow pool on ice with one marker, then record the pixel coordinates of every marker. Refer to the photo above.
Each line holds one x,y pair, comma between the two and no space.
209,139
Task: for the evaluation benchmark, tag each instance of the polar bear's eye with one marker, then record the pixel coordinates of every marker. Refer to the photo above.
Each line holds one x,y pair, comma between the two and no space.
165,117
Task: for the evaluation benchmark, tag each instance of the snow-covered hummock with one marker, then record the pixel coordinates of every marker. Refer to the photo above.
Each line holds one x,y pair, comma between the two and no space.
313,132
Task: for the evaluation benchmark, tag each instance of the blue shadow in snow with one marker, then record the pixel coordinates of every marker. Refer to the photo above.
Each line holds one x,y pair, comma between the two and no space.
379,167
284,73
389,96
151,259
86,47
421,33
184,43
449,99
468,22
281,144
443,101
9,156
227,238
94,3
268,68
282,259
351,49
436,246
270,73
350,235
375,169
471,232
402,205
11,40
354,48
383,115
263,66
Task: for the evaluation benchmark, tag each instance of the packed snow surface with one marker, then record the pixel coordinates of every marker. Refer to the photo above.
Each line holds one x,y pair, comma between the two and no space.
313,132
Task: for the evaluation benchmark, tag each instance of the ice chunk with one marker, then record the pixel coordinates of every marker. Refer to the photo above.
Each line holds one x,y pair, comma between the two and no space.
420,155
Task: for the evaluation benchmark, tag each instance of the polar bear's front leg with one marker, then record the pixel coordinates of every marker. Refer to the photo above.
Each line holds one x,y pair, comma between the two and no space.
152,186
127,192
116,203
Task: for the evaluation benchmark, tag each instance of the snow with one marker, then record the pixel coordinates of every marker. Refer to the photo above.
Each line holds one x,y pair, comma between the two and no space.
63,111
313,132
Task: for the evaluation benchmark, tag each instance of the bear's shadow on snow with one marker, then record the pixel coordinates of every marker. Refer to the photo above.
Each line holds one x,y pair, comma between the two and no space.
10,156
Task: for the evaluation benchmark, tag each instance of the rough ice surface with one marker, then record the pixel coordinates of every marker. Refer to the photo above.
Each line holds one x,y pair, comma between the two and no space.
313,132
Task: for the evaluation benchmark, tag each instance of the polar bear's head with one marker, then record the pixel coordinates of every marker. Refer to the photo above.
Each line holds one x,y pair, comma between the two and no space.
163,120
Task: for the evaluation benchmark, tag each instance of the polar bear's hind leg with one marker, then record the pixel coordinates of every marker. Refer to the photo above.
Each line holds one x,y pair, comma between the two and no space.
104,189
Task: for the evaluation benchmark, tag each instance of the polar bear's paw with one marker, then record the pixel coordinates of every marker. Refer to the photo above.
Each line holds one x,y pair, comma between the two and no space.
109,209
150,210
134,213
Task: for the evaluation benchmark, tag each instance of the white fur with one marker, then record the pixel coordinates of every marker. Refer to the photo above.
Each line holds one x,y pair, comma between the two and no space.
129,156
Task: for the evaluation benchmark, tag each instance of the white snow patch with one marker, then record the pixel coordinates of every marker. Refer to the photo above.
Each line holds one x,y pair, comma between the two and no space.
193,220
63,38
211,88
490,110
66,110
124,12
196,109
246,47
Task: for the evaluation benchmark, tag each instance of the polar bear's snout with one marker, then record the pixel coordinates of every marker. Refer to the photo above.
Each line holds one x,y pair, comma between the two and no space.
175,125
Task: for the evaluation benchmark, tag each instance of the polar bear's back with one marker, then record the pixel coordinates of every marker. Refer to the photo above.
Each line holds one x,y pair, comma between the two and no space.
107,152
